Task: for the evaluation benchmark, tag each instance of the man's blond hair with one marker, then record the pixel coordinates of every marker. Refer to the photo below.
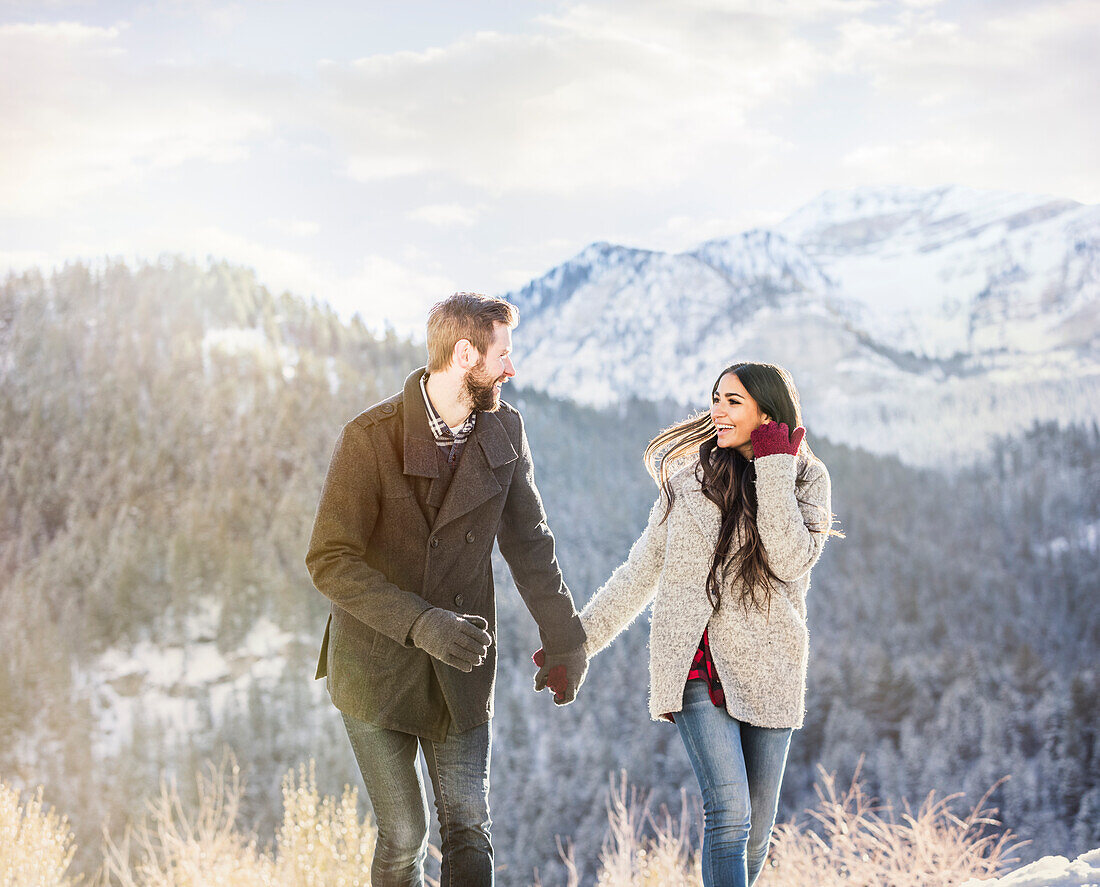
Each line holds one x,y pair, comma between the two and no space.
470,316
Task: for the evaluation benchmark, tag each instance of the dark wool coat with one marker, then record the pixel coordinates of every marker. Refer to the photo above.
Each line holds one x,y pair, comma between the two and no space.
374,555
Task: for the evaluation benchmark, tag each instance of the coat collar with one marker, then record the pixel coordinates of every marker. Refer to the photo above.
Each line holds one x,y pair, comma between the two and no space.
474,482
419,443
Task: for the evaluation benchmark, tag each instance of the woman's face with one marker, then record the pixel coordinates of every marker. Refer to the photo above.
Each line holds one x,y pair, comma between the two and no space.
735,414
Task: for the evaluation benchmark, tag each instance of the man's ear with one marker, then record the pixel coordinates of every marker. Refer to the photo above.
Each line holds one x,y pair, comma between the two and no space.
464,354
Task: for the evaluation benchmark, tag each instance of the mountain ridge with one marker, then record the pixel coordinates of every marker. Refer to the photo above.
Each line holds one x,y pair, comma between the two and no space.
898,310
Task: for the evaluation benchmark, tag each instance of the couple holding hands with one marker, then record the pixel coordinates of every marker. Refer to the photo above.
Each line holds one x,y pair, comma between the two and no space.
418,489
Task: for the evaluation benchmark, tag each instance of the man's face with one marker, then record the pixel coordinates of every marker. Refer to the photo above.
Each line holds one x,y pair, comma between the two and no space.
484,381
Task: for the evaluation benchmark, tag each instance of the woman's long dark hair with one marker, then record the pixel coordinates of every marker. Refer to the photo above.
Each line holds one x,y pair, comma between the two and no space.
728,479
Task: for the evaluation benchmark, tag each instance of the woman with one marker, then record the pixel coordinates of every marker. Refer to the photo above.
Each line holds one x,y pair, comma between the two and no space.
727,554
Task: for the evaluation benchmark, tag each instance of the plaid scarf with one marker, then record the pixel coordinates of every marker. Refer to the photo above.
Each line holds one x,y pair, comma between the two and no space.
452,441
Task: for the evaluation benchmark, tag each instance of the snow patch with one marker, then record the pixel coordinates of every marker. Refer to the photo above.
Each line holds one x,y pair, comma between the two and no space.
234,340
1050,871
173,687
1084,537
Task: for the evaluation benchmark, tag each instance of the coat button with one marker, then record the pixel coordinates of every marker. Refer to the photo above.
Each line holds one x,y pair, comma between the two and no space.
387,408
459,600
470,536
434,543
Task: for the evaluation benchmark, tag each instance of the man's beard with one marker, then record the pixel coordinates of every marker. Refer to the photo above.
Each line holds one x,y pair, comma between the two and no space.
479,391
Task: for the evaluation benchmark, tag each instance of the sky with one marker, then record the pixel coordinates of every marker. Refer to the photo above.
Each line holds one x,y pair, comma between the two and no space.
381,155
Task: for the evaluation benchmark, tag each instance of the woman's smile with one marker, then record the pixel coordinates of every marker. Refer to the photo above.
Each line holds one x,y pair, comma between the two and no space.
734,413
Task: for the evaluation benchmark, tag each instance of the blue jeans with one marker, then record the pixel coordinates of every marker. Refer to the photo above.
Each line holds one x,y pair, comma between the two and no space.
740,769
459,770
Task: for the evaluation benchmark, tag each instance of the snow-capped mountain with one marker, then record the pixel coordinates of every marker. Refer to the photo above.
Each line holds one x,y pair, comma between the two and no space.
912,319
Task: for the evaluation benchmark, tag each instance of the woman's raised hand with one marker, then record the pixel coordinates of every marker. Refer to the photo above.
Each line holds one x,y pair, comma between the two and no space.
773,437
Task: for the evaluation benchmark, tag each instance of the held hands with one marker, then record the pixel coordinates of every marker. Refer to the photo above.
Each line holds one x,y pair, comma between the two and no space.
561,672
459,641
554,677
771,438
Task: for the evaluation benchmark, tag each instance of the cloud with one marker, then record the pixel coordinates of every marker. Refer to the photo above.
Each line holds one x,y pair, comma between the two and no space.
383,291
1010,53
614,97
79,118
224,19
446,215
294,227
16,261
918,161
685,233
590,99
654,123
999,100
39,34
608,98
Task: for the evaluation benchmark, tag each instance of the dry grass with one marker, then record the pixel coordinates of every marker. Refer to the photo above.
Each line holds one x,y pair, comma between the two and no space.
172,847
663,861
322,842
36,846
853,840
848,839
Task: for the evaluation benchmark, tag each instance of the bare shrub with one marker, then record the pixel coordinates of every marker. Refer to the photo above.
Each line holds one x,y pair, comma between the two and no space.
853,840
36,846
628,859
321,841
174,848
849,840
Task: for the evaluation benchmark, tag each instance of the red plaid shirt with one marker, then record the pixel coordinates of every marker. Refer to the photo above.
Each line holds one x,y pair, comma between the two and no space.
702,669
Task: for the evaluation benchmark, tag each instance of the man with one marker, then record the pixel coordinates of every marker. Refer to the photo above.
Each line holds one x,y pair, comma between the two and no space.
418,488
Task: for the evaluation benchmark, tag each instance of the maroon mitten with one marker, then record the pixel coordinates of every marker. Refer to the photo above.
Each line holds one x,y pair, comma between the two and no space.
556,678
772,438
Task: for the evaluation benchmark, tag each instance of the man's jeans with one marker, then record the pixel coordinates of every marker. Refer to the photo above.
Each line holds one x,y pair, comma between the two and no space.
459,770
740,769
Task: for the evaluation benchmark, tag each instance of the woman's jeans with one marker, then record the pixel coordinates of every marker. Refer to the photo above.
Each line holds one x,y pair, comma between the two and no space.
459,770
740,769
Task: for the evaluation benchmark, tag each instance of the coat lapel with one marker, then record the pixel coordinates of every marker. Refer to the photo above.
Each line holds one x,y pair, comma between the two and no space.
419,447
474,481
704,512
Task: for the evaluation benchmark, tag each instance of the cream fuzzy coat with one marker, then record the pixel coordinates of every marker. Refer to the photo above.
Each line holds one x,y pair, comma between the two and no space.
761,659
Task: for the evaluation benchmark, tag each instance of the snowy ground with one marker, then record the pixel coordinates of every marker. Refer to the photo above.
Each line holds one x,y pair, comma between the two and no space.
169,685
1051,871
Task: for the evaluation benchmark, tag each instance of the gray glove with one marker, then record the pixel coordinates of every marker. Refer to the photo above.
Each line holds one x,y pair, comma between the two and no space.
458,641
574,664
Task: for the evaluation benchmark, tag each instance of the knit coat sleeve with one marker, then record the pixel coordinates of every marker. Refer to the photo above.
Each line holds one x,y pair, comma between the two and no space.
630,588
793,518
